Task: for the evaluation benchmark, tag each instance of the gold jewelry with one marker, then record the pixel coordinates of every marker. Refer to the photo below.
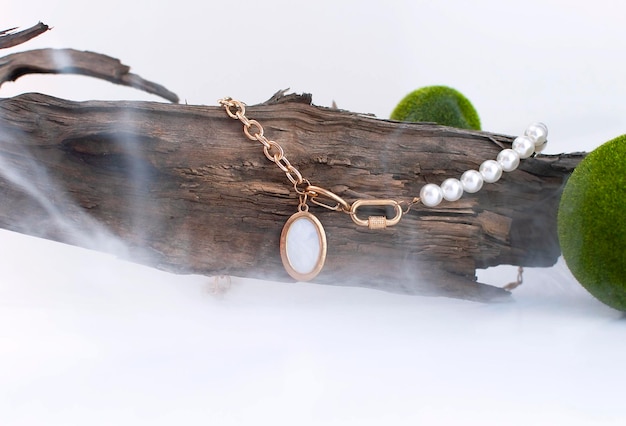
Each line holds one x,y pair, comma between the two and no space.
303,243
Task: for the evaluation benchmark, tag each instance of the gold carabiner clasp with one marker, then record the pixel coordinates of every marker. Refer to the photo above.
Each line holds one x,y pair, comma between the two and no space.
376,222
315,191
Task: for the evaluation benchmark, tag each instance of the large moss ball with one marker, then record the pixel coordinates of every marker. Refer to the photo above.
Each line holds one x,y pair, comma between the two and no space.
437,104
592,223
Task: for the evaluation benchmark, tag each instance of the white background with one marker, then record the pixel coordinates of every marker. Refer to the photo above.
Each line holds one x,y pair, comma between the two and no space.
88,339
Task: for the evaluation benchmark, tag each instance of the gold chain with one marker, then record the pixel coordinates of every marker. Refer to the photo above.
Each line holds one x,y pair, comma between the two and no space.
317,195
272,150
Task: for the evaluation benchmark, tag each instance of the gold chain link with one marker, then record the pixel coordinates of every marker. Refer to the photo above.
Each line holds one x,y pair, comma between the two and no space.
254,131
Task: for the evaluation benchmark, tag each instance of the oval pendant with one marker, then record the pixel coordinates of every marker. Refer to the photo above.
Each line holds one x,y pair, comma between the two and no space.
303,246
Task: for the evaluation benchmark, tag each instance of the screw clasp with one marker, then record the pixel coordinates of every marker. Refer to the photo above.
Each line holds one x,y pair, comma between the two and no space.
376,222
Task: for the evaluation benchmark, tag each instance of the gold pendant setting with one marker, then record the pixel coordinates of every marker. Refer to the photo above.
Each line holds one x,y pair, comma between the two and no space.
303,246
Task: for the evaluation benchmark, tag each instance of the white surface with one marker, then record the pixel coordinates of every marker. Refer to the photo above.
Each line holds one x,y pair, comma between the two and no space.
88,339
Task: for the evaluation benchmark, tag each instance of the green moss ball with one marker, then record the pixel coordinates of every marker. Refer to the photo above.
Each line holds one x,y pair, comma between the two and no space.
437,104
592,223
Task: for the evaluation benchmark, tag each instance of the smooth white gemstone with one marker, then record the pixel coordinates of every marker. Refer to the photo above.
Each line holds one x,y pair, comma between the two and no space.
431,195
508,159
303,245
472,181
538,132
452,189
491,171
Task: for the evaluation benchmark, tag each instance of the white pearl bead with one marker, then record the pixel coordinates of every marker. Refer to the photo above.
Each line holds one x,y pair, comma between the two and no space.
472,181
431,195
452,189
535,139
541,147
508,159
538,132
491,171
524,146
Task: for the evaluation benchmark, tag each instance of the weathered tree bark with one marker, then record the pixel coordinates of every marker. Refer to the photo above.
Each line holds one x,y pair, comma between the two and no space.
188,193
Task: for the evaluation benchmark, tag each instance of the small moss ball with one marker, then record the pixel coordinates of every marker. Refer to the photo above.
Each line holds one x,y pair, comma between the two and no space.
592,223
437,104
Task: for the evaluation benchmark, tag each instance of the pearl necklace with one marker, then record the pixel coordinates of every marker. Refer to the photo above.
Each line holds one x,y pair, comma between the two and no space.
534,140
303,245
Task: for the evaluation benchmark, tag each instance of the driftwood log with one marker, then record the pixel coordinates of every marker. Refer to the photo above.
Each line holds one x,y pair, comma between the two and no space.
186,192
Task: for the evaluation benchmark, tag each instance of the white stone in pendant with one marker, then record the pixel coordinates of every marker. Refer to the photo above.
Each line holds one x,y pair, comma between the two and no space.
303,246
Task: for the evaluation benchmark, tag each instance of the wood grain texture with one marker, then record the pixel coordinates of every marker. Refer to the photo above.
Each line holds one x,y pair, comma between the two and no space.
188,193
